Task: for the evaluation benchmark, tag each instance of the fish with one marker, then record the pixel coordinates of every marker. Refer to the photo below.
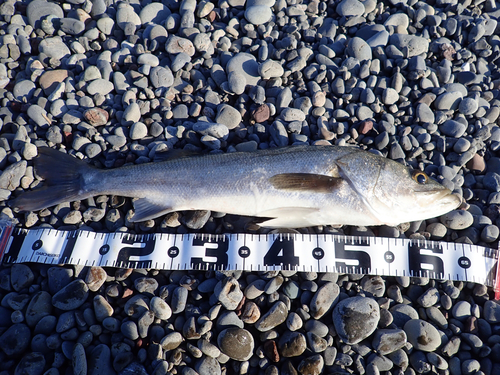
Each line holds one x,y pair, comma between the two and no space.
290,187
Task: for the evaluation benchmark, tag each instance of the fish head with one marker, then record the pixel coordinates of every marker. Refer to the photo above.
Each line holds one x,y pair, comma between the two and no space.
395,193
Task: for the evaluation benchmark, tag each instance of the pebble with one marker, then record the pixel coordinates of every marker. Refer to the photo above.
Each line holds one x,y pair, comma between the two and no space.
422,335
71,296
276,315
356,318
228,293
236,343
457,219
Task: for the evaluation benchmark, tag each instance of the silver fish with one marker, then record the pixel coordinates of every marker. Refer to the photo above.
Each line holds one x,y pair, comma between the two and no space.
293,187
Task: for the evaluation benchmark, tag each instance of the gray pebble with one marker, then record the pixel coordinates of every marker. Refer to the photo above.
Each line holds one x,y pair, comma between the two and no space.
71,296
236,343
422,335
324,299
276,315
352,313
457,219
228,293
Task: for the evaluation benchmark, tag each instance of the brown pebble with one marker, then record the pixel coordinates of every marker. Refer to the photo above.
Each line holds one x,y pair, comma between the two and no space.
271,351
471,325
96,278
127,292
50,79
240,306
96,116
448,51
250,313
365,127
261,114
476,164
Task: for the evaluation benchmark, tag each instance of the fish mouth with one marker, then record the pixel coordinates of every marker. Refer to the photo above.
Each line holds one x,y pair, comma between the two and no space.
443,199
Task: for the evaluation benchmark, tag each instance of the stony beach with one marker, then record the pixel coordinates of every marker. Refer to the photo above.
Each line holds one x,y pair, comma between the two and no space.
124,82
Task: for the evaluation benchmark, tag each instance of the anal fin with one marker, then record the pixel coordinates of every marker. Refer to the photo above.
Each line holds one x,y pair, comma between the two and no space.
147,209
289,217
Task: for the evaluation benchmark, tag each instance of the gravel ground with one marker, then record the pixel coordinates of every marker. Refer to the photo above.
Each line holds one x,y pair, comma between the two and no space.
122,82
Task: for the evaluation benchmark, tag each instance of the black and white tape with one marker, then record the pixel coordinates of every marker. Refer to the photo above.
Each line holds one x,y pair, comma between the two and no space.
320,253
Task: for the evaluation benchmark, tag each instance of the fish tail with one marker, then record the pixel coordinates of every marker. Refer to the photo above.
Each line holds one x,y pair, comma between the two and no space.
63,181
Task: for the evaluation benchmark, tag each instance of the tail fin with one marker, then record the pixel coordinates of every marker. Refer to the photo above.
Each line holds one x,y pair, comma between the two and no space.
63,175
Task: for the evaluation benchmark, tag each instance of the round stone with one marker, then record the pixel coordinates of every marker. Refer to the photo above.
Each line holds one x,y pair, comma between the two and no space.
236,343
356,318
422,335
292,344
457,219
258,14
350,8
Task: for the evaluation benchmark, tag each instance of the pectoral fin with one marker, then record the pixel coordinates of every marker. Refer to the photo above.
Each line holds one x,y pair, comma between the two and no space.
146,209
305,182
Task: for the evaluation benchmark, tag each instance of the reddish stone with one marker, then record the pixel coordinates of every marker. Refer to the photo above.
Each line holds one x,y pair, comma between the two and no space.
96,116
271,351
365,127
261,114
476,164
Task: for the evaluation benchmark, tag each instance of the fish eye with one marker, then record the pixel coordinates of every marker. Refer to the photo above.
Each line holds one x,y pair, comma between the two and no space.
419,177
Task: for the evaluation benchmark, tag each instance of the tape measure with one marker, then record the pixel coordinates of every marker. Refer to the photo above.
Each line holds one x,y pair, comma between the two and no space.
254,252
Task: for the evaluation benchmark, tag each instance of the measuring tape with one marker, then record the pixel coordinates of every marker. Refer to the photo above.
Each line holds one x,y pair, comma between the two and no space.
254,252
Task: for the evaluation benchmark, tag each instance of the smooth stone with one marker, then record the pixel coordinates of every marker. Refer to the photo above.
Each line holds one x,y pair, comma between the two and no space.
245,64
161,77
102,308
99,361
71,296
39,9
422,335
96,277
154,13
23,90
448,101
359,49
39,307
228,293
236,82
292,344
325,298
54,47
350,8
468,106
207,366
387,341
403,313
269,69
356,318
228,116
453,128
160,308
258,14
457,219
236,343
15,340
276,315
21,277
177,45
415,45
